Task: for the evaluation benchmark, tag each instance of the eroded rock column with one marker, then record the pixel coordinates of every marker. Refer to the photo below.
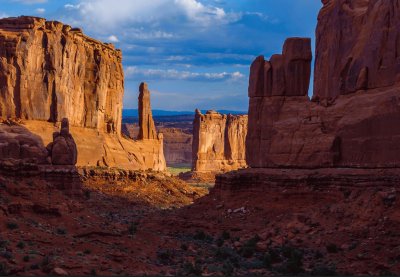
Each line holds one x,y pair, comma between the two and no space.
146,122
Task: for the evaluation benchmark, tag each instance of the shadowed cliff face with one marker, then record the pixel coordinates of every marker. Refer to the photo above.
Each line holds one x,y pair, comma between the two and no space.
49,71
352,120
358,47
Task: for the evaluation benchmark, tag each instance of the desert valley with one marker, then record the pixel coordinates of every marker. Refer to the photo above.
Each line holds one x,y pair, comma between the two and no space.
296,185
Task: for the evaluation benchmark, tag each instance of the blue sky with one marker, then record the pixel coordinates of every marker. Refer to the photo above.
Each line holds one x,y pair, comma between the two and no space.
193,53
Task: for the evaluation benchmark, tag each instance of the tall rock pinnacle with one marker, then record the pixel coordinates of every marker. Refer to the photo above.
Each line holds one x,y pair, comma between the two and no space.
146,122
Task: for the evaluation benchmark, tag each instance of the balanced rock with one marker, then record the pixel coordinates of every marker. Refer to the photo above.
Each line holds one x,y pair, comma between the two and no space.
218,142
146,122
63,149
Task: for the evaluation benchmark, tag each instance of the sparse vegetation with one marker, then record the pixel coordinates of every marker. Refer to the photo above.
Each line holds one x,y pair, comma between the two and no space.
249,247
332,248
12,225
3,269
21,245
61,231
175,170
192,269
132,228
323,270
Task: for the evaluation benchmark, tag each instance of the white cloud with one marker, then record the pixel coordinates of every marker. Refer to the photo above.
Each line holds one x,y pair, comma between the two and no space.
40,10
3,15
108,14
113,39
172,74
29,2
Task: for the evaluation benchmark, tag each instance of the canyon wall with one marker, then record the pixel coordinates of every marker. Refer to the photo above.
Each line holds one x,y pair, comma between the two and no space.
218,142
177,146
357,47
353,120
49,71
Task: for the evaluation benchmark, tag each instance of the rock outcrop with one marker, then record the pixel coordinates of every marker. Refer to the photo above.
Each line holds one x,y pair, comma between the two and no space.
49,71
286,74
358,47
354,123
146,123
63,148
177,146
18,143
218,142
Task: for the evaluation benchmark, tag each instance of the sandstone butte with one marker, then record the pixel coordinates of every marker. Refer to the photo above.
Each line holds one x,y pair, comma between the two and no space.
353,120
50,71
218,142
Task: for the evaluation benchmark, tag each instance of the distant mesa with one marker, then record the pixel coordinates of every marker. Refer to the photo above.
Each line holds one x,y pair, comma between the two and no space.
218,142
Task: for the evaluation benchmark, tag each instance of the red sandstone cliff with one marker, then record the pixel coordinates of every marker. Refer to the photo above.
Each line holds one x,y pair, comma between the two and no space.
358,47
49,71
146,123
218,142
355,123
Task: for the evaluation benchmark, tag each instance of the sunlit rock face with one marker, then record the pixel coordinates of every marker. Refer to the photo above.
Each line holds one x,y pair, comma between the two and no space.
146,123
49,71
218,142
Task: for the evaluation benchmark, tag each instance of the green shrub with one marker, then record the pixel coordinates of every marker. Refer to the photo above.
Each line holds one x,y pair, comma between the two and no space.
21,245
249,247
3,269
225,235
324,271
61,231
132,228
227,268
12,225
190,269
332,248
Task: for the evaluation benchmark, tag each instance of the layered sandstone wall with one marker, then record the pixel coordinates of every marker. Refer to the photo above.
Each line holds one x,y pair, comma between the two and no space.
358,47
49,71
218,142
353,120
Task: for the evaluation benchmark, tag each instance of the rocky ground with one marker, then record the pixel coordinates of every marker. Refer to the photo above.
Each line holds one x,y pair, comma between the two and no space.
115,228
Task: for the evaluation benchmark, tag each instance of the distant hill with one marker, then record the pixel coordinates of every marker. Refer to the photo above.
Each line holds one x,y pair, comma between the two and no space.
161,113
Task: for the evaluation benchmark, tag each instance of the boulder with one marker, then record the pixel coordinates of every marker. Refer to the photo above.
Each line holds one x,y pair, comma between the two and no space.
63,148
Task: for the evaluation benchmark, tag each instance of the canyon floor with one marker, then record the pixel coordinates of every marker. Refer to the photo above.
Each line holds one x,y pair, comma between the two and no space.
159,225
